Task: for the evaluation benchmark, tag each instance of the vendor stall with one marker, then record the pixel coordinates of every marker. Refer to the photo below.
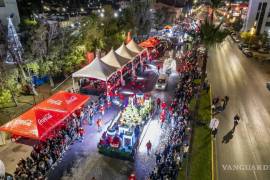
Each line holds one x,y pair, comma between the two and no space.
122,137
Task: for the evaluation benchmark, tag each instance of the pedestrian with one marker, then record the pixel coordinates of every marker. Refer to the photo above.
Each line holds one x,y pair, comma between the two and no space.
223,103
102,109
81,133
226,98
158,103
158,67
214,126
158,157
148,146
236,120
163,105
162,118
215,100
81,117
99,124
90,116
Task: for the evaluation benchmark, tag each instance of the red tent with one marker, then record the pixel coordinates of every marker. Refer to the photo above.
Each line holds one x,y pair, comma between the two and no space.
150,43
90,56
41,119
64,101
35,123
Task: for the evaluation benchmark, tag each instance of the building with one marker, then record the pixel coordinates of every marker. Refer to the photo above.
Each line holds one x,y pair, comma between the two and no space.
8,7
258,16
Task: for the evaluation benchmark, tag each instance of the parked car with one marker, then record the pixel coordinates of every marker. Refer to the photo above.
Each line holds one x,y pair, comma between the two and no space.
247,52
161,82
235,38
263,50
242,45
255,47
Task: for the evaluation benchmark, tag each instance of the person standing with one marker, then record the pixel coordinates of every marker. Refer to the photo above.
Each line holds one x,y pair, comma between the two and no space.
90,116
81,117
102,109
236,120
81,133
99,124
226,98
148,146
214,126
158,103
163,105
158,67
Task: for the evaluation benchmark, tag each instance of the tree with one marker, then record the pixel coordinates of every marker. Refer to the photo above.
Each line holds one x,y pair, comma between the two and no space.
214,5
9,85
237,24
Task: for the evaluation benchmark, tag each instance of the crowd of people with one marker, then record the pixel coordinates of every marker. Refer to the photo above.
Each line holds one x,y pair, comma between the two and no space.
46,154
169,159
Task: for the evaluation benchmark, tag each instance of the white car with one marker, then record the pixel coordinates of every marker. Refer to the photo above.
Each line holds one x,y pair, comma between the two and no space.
162,82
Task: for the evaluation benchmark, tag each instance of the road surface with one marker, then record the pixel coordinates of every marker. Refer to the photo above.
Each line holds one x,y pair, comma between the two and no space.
83,161
244,153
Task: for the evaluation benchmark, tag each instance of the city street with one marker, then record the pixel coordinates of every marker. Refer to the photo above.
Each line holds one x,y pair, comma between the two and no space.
243,80
83,161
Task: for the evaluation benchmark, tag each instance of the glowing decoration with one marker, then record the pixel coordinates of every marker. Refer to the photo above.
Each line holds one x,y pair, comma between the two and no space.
121,138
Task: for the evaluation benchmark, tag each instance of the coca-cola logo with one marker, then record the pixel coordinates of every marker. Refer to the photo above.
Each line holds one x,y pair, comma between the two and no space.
24,122
56,102
45,118
71,99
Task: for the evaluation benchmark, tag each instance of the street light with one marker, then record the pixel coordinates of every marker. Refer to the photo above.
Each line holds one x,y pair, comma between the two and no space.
102,14
115,14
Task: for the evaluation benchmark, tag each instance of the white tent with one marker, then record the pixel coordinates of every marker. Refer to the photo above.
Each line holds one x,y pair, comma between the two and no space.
115,60
97,69
125,52
134,47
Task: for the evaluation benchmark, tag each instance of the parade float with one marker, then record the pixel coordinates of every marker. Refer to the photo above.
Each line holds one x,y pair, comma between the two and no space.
121,138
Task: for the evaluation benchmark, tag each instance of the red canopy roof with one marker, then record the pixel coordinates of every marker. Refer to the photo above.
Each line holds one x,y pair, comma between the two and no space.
150,43
37,122
64,101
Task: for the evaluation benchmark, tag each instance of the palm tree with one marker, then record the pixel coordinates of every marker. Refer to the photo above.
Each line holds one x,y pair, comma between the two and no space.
210,35
214,5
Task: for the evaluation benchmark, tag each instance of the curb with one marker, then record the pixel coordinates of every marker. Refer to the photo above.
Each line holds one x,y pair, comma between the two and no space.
213,156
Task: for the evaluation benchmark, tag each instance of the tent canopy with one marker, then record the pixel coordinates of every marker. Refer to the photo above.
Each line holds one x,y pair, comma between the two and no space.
114,60
37,122
150,43
134,47
64,101
125,52
97,69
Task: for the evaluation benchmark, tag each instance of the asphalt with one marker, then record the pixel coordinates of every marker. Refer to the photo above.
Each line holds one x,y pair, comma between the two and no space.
245,153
